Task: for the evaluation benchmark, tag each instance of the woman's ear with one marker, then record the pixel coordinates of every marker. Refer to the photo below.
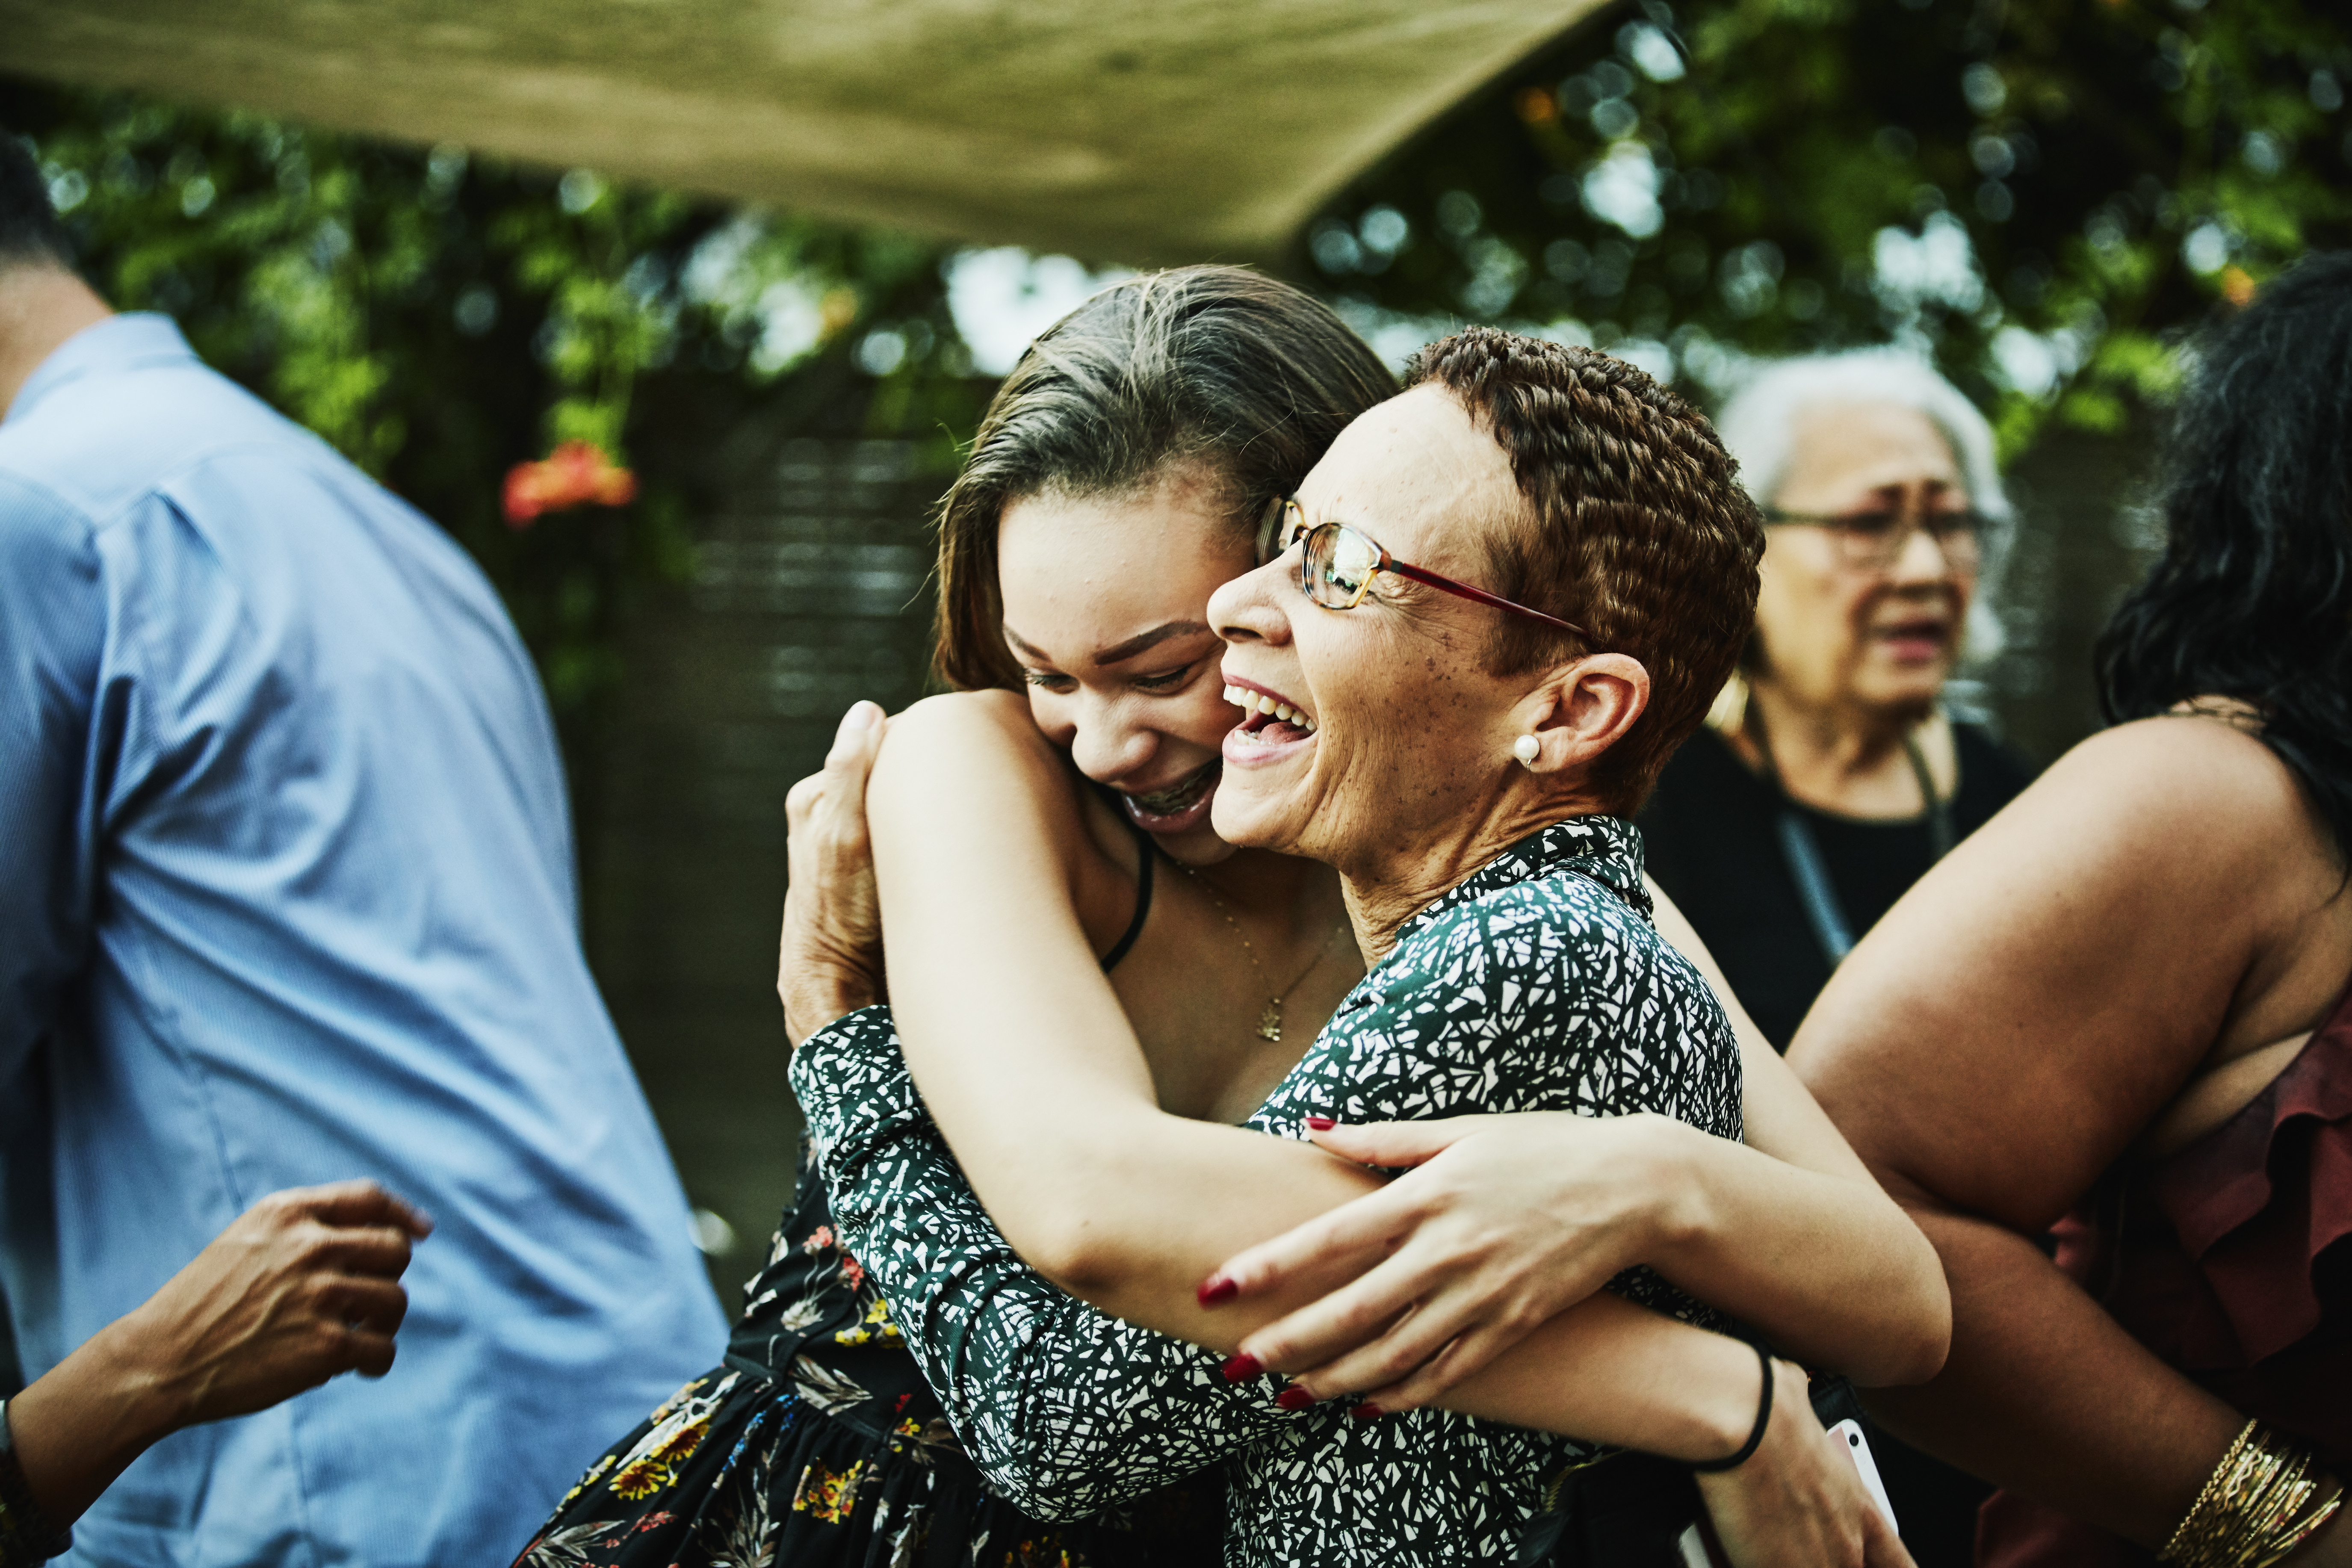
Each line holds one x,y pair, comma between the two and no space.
1580,710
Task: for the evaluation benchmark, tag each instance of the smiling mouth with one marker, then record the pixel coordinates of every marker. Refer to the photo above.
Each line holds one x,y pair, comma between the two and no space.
1182,793
1179,805
1267,712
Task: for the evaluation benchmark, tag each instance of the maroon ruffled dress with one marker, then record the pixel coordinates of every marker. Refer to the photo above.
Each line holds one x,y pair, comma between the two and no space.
2231,1260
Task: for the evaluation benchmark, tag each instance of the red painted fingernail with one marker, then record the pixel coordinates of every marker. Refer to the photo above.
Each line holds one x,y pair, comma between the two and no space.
1294,1398
1243,1365
1216,1290
1367,1411
1321,1123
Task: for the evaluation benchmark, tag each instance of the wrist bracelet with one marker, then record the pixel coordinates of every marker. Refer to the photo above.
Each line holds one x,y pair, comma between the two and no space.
1756,1435
2265,1500
24,1532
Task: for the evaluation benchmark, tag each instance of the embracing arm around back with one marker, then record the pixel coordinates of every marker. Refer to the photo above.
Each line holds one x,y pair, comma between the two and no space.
1032,1071
1506,1219
1035,1077
2162,901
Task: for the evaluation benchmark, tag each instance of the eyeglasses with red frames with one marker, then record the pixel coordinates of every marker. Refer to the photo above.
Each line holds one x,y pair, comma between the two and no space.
1337,566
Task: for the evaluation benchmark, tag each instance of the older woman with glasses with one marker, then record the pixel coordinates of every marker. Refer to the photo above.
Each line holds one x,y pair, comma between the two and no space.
1830,778
1827,781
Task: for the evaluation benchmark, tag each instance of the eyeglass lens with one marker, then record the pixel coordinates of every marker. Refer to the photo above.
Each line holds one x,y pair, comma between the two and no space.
1874,539
1339,567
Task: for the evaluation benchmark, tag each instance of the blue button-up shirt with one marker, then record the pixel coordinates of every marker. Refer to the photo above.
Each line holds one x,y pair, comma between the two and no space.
287,896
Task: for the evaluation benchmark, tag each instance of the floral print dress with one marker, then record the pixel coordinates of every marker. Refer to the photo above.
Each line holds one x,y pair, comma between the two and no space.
1535,984
818,1444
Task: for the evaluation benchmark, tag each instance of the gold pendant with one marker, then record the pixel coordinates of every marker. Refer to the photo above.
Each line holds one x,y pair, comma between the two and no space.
1269,1023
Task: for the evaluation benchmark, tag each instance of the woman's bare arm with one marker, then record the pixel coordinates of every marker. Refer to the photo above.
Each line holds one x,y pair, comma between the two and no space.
1027,1061
1508,1219
1052,1119
1872,1298
2005,1033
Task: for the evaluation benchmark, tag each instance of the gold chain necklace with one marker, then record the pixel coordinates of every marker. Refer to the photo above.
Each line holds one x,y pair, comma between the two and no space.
1269,1018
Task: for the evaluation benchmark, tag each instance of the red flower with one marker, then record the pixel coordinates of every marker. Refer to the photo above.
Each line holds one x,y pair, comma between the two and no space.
575,474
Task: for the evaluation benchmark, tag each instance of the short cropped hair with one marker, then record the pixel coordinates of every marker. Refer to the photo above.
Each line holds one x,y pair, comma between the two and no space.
30,233
1758,425
1635,528
1245,378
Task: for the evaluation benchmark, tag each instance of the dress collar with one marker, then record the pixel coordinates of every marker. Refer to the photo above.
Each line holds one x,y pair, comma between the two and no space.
125,342
1606,849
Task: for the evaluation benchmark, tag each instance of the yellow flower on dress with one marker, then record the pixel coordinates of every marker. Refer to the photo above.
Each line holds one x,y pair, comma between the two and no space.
595,1473
649,1470
826,1496
679,1428
877,1328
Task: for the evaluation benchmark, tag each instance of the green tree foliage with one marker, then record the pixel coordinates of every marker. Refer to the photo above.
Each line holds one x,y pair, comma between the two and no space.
2038,192
440,318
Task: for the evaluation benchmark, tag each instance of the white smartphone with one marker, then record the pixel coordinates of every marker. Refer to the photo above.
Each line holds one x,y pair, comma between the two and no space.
1849,1435
1846,1435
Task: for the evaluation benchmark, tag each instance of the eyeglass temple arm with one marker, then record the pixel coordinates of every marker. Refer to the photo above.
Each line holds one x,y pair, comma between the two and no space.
1423,575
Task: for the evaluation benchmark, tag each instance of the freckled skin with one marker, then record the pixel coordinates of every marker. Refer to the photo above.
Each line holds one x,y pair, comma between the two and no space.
1408,782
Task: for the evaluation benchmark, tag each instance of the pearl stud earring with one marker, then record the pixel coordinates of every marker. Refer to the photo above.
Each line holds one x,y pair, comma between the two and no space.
1525,748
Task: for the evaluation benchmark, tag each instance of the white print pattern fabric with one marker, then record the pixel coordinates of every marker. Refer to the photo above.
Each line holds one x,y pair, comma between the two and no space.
1537,984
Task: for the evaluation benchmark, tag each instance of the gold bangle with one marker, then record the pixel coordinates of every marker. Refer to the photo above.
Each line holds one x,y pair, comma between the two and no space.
2256,1508
2200,1521
2299,1534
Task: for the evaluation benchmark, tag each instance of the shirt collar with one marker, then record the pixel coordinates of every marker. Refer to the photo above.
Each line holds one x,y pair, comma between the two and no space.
1606,849
125,342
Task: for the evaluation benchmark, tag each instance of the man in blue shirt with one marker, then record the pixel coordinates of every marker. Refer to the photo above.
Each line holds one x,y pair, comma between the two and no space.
286,897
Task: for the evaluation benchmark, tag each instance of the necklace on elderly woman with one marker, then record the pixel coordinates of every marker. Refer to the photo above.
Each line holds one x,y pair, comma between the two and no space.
1823,909
1269,1018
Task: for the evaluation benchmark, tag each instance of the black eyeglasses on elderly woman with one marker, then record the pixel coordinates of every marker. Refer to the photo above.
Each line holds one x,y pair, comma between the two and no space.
1337,567
1874,541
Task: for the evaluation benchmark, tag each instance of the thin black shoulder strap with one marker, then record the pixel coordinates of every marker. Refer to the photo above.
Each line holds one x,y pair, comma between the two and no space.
1144,849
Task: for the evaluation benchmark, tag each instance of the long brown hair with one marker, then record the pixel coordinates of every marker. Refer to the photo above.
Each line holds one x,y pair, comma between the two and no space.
1217,366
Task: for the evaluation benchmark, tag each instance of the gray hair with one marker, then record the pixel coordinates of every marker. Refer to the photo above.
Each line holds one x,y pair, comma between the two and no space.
1759,424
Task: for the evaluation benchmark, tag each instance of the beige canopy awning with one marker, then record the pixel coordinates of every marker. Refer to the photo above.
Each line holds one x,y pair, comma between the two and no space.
1175,130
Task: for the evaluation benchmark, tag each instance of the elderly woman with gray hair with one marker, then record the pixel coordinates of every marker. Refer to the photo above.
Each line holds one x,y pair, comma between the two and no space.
1830,778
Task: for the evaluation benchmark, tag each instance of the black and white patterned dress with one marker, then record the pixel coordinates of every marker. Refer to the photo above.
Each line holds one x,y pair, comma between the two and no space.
1536,984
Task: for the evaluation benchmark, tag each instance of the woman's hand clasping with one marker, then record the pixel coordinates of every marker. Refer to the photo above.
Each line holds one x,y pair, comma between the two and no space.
829,960
1799,1501
1504,1222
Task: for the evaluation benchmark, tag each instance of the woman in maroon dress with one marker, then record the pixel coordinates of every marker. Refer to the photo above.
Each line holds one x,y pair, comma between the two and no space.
2125,1007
